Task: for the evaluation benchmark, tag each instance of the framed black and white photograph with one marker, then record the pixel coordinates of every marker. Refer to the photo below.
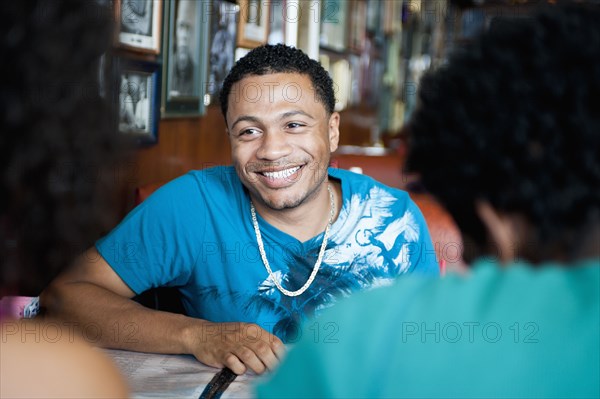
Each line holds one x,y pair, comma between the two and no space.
276,22
139,24
253,26
139,100
224,17
185,54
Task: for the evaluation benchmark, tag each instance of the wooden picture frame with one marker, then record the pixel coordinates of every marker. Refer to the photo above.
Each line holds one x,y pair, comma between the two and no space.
138,93
253,25
185,58
138,25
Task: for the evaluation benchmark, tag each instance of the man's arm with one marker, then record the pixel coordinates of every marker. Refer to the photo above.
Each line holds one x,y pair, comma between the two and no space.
98,302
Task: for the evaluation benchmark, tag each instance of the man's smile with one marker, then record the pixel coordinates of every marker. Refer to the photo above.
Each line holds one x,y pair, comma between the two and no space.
281,174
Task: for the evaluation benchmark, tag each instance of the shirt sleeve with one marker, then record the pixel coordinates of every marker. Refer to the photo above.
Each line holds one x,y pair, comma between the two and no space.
422,253
158,242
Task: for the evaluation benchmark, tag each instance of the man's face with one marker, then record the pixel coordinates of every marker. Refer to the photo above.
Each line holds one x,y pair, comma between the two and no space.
182,34
281,138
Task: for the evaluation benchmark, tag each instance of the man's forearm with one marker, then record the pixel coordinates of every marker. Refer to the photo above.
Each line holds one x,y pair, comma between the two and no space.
109,320
92,300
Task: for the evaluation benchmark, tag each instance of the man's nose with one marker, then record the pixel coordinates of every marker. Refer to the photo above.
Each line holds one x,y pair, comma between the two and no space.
273,146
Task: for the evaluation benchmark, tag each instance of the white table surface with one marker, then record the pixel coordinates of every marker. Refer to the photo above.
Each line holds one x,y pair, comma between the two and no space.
173,376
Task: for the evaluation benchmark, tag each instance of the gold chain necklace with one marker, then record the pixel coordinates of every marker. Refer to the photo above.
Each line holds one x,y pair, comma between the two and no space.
263,255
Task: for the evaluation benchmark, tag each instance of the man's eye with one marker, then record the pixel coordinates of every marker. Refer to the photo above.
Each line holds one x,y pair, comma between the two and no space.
293,125
248,132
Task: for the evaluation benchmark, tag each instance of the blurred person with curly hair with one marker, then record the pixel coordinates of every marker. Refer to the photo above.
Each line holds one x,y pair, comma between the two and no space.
506,135
57,136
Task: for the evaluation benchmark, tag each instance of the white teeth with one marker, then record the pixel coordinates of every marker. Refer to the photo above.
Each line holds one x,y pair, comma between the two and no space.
281,174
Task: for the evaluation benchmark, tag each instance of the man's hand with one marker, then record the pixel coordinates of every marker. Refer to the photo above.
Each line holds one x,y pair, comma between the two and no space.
238,346
91,292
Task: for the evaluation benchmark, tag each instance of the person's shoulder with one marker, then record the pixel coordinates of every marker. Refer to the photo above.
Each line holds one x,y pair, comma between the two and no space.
351,177
218,184
215,175
210,178
486,289
547,273
491,288
358,183
189,189
48,361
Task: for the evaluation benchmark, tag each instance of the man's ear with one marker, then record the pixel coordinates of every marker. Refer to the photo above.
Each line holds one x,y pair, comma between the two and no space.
500,228
334,131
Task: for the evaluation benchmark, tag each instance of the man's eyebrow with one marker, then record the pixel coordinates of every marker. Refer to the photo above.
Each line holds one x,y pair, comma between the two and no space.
245,118
294,113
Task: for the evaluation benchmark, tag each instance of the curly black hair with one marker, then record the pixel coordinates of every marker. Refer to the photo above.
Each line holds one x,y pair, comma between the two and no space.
513,119
279,58
58,142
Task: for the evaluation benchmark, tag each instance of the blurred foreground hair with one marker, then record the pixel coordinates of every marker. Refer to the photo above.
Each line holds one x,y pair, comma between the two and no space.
512,119
58,142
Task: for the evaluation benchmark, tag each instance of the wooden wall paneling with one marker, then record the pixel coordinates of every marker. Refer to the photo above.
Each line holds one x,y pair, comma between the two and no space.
356,126
183,144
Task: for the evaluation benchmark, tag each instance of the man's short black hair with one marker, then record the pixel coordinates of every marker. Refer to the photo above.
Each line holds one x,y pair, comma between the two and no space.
513,120
279,58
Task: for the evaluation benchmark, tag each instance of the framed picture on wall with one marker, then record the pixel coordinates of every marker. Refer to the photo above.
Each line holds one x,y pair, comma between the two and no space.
139,24
357,33
185,56
276,21
253,26
334,14
139,99
223,31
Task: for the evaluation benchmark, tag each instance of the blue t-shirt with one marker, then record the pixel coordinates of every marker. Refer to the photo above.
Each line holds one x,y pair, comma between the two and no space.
196,233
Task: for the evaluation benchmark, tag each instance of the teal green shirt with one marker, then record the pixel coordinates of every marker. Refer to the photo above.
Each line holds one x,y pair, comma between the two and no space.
500,332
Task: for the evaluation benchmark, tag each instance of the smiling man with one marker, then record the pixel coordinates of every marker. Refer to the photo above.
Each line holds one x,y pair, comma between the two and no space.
254,248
